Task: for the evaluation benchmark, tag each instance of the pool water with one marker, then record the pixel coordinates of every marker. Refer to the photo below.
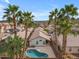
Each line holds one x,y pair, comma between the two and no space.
35,54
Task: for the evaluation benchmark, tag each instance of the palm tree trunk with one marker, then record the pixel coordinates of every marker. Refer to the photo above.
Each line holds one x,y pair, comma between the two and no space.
55,34
55,29
64,44
26,30
14,21
30,36
25,42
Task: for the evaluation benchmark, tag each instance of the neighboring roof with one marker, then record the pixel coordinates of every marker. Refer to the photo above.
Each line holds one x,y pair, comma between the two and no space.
72,41
37,33
22,32
40,22
3,21
3,36
50,27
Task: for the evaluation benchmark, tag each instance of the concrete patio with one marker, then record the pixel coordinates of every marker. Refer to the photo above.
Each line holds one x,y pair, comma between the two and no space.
46,49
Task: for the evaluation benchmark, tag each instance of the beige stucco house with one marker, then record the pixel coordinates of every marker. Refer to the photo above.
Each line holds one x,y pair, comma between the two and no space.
72,43
38,38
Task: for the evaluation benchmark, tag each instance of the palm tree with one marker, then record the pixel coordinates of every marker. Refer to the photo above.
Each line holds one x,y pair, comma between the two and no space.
34,26
71,10
53,18
19,18
64,20
9,19
11,14
27,21
66,24
12,46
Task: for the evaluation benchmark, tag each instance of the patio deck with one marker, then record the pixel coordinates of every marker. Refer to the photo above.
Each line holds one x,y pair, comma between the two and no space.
46,49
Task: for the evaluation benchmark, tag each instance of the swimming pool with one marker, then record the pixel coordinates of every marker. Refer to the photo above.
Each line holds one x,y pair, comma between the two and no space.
33,53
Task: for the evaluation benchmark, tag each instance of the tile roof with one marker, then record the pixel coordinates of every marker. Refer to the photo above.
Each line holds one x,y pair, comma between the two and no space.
37,33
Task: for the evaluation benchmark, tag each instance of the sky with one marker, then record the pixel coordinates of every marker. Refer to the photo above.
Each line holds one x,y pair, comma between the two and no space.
39,8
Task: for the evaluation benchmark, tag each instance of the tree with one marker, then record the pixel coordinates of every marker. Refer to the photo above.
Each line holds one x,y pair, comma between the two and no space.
27,22
63,21
68,56
11,15
66,23
19,18
13,46
53,18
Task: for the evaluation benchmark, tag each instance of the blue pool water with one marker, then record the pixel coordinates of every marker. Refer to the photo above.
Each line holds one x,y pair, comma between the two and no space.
35,54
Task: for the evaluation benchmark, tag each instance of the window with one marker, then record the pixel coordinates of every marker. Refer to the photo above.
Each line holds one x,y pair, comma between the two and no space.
70,49
36,42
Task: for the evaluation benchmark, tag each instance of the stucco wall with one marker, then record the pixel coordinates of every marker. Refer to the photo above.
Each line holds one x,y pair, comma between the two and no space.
39,41
72,49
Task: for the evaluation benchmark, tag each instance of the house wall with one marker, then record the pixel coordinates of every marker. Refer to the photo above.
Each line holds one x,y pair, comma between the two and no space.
74,50
38,42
